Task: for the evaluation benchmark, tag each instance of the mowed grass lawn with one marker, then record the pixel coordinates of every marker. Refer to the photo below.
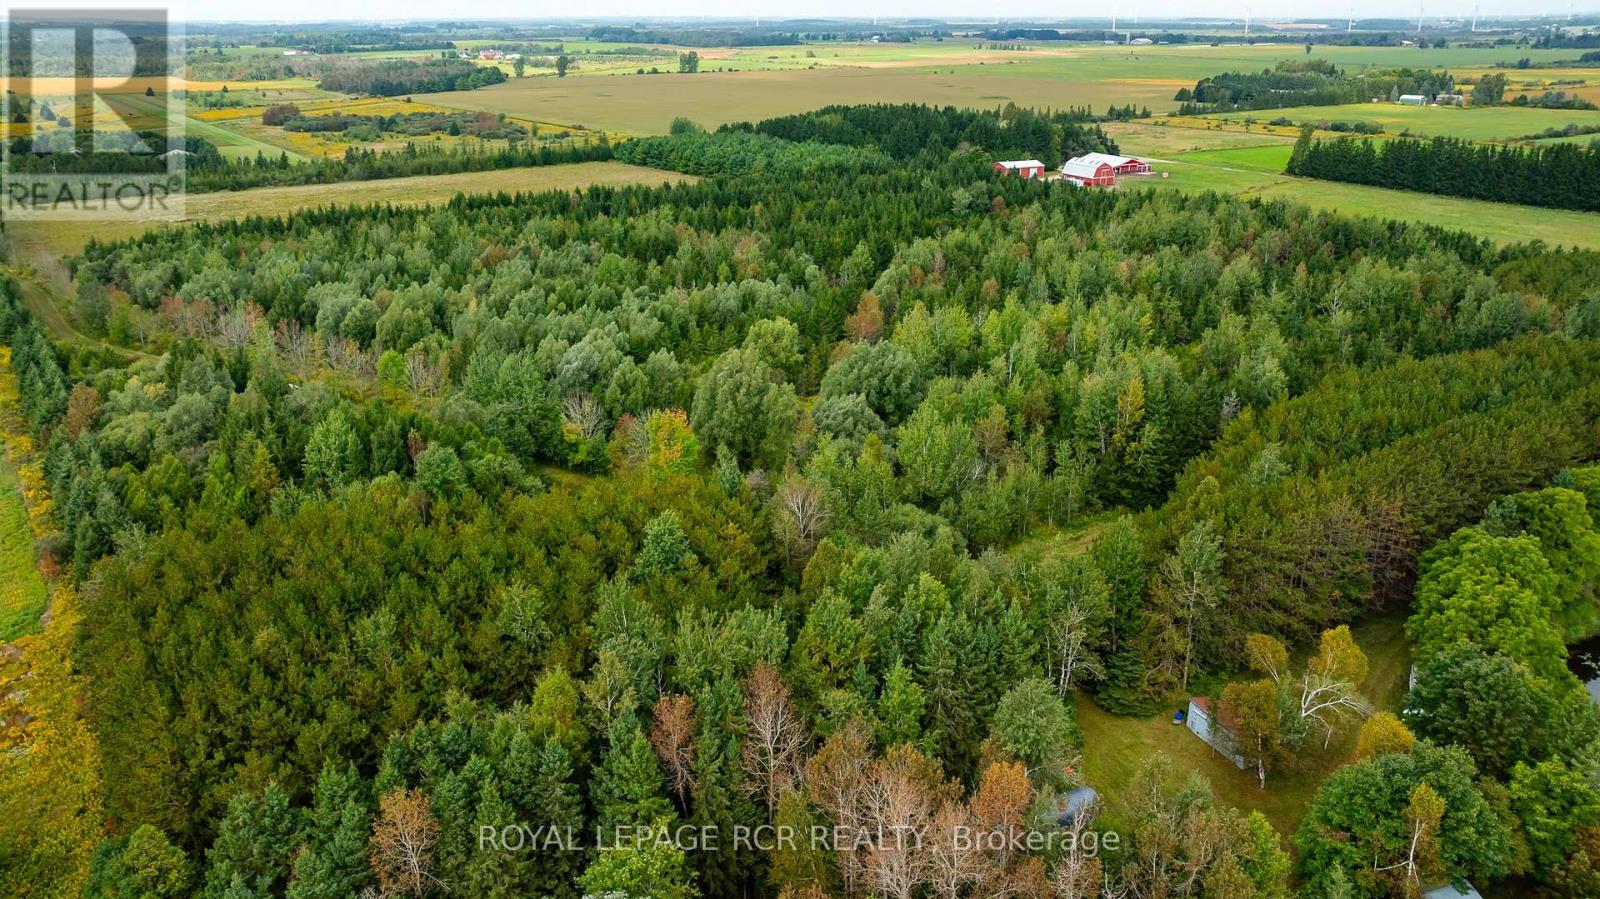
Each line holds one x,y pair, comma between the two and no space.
1474,123
1116,748
22,590
63,238
1258,172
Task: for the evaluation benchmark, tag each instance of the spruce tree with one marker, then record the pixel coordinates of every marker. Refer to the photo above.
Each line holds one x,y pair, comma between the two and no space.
250,857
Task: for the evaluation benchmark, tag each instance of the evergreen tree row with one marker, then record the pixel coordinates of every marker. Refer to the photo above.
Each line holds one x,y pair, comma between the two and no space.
1561,176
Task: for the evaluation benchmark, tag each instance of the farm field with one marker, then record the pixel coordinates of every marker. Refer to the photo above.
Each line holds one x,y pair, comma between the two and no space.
775,81
60,239
646,104
1487,123
1167,137
1257,171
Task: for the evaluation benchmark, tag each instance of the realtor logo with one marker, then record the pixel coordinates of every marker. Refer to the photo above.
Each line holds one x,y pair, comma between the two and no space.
93,116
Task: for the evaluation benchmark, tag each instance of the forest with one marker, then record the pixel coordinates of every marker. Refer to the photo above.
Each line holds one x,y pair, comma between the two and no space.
1558,175
394,77
903,130
821,492
1311,82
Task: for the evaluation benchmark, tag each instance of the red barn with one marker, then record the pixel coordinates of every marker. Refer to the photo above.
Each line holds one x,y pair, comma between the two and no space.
1122,165
1027,168
1088,174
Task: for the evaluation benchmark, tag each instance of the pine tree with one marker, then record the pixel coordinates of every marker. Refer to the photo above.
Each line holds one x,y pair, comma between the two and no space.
557,805
900,707
628,788
333,864
250,857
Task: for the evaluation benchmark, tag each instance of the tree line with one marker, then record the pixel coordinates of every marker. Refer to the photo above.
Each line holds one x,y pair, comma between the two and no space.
1560,176
396,77
905,130
1311,82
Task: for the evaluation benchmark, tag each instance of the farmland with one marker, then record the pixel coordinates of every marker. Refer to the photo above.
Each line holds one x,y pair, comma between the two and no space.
55,239
769,81
1472,123
1201,160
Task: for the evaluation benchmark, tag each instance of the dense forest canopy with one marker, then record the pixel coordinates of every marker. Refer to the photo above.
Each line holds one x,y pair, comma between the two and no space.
829,480
1310,82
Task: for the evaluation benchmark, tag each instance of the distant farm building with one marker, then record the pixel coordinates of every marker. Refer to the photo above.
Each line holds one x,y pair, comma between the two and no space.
1121,165
1209,725
1027,168
491,54
1088,174
1450,100
1412,100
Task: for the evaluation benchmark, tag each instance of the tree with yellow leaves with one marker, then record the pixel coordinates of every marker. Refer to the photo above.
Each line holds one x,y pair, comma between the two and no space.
1382,734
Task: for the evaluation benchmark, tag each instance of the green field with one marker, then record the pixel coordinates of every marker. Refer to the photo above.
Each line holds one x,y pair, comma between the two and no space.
1474,123
22,590
1257,171
229,142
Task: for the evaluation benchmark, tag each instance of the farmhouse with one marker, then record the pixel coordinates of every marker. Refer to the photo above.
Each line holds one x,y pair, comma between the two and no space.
491,54
1121,165
1209,725
1412,100
1027,168
1088,174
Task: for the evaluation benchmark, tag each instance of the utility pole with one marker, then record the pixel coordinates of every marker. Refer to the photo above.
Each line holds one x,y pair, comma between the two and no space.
1474,18
1247,24
1419,17
1350,27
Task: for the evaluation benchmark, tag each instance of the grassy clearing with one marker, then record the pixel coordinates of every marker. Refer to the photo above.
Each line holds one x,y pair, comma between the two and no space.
1116,748
1475,123
1257,171
64,238
22,590
1159,139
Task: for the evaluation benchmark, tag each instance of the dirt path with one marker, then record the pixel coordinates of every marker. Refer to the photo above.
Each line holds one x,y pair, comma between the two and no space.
44,303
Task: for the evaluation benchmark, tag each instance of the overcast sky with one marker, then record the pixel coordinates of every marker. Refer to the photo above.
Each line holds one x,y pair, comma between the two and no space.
381,10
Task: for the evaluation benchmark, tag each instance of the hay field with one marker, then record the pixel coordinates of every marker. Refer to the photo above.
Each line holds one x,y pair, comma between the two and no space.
1474,123
59,239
